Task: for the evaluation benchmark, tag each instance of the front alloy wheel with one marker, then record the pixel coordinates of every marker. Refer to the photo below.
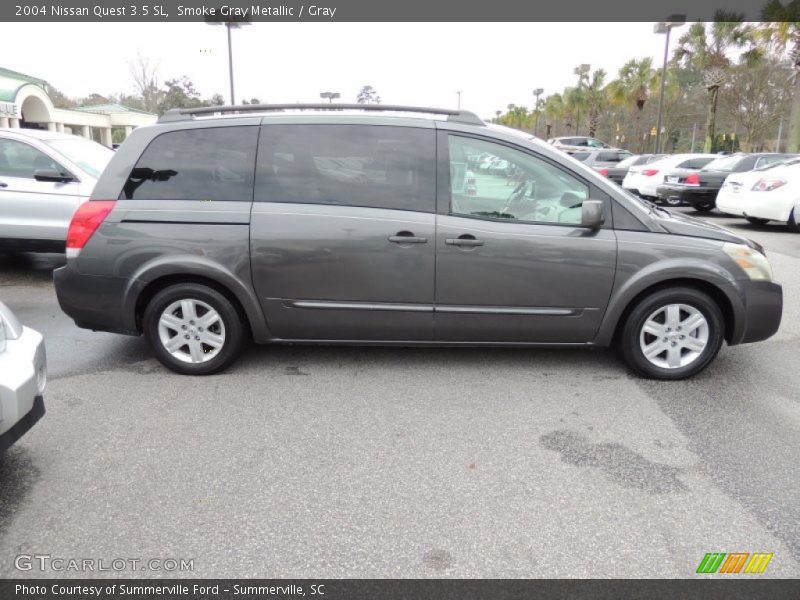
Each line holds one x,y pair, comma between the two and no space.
673,333
674,336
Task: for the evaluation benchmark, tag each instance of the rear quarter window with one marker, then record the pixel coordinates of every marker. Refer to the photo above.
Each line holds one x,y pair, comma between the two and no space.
215,163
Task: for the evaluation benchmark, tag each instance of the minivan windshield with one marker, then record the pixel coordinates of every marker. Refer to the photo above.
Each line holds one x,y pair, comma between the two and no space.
88,155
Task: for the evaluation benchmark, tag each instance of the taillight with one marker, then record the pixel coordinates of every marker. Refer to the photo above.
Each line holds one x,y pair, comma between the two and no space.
85,222
649,172
692,179
603,172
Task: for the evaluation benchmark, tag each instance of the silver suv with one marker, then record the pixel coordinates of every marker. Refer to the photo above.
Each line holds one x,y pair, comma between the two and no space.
44,177
281,225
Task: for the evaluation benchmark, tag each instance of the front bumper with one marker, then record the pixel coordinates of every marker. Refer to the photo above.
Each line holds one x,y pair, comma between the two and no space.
691,195
763,309
23,378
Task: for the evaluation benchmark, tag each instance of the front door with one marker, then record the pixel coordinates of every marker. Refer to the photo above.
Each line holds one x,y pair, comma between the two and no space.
513,263
343,231
31,209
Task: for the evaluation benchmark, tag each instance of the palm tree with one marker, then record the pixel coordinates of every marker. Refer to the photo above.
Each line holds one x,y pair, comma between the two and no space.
781,27
595,97
574,104
706,49
634,86
553,113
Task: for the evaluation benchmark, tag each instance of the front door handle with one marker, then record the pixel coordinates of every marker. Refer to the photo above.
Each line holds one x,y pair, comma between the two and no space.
2,184
464,240
407,237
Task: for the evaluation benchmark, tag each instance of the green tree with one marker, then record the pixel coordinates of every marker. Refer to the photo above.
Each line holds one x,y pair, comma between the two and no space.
781,27
633,87
368,95
553,114
595,98
706,48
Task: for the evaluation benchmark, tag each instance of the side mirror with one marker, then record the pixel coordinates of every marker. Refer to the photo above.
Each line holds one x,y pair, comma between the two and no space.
592,214
52,175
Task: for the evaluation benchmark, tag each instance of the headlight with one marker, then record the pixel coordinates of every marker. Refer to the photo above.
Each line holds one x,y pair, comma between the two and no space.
767,184
750,260
2,335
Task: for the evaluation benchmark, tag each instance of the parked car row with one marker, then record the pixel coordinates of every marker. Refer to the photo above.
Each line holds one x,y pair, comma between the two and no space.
759,186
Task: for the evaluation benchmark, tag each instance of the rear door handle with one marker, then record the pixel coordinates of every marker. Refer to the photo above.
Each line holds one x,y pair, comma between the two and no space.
406,237
464,240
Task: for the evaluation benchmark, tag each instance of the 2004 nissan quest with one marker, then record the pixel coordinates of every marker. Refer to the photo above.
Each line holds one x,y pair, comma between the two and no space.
410,226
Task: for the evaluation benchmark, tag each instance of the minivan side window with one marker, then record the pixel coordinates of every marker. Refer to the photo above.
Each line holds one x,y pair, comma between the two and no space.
517,186
213,163
18,159
376,166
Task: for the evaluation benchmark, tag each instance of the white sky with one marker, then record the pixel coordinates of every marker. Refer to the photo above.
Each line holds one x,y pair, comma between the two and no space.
408,63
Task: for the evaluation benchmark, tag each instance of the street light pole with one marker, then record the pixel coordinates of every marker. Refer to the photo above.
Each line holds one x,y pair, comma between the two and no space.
664,27
459,99
229,25
537,92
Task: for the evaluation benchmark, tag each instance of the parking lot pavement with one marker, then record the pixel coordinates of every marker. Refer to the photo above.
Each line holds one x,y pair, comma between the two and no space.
364,462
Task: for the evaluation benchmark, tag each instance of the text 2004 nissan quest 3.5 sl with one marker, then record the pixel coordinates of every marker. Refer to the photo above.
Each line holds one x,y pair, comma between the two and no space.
408,226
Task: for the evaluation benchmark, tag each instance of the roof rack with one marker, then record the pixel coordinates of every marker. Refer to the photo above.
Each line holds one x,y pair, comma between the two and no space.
184,114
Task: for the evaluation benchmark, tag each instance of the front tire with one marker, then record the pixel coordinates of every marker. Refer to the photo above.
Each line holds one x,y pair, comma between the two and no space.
756,221
672,201
704,207
193,329
672,334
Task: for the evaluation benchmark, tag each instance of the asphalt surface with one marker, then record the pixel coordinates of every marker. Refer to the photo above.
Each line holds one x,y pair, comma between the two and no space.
354,462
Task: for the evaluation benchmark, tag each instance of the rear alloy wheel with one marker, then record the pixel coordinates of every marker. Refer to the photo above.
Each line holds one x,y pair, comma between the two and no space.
193,329
756,221
672,201
794,222
672,334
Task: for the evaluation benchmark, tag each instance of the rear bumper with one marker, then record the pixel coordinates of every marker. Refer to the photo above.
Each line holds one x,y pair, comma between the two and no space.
693,196
24,425
23,377
763,304
92,301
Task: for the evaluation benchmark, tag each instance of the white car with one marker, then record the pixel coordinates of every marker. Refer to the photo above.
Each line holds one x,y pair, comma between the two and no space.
644,179
23,377
44,177
771,193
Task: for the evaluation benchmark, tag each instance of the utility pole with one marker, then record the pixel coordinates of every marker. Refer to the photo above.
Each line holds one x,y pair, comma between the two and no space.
665,27
694,132
780,133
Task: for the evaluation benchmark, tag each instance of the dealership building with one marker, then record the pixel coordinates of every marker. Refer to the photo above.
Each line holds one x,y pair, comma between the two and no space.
25,102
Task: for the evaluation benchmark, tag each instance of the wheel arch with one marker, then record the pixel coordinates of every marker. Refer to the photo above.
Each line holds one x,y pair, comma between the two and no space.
728,300
149,282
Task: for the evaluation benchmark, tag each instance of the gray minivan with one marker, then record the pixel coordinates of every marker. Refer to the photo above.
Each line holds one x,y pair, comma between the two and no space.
280,225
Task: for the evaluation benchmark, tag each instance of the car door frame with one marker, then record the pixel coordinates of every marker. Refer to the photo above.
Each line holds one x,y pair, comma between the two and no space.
443,200
38,229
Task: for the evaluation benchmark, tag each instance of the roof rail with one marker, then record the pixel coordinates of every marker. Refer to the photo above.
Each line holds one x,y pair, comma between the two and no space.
184,114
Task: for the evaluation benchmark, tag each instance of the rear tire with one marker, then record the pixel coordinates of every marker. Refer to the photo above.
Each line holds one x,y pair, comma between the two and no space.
705,207
193,329
756,221
794,224
672,334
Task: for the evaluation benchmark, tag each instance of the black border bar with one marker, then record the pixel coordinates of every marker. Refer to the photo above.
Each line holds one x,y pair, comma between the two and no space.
374,11
718,588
